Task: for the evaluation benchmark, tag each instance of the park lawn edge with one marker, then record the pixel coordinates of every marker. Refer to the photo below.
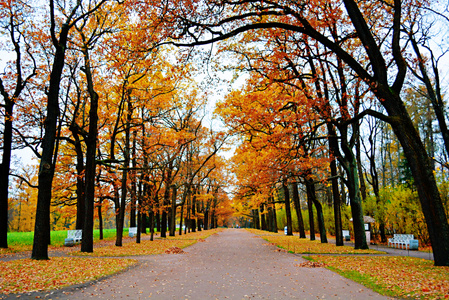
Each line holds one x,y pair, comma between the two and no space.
138,249
365,280
313,247
394,276
39,278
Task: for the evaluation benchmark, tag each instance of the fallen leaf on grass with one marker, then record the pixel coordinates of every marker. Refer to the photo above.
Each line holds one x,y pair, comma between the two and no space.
28,275
404,276
144,248
296,245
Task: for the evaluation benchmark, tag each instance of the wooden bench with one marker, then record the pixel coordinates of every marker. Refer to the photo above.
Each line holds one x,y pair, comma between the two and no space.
403,241
346,235
73,237
132,231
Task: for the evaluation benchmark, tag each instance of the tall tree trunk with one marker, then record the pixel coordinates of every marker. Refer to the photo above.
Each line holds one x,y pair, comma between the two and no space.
319,211
193,209
421,167
132,214
274,217
310,210
337,204
360,169
47,165
262,217
288,211
400,121
356,202
151,217
173,211
333,146
100,218
87,242
12,28
181,215
302,232
126,160
4,171
80,186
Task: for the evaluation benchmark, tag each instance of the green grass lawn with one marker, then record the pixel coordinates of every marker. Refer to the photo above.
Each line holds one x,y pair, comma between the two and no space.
20,239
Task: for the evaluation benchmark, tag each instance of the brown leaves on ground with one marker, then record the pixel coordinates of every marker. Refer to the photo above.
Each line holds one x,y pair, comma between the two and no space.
27,275
174,250
404,277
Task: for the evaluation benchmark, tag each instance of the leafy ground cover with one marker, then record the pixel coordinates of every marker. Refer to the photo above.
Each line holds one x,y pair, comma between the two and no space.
196,235
394,276
146,247
403,277
23,241
27,275
296,245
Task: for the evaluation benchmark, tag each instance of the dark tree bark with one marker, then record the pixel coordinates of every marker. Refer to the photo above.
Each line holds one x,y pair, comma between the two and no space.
80,187
333,146
302,233
173,211
273,215
48,157
124,188
9,101
100,218
87,242
337,204
310,210
263,217
319,210
288,211
360,169
132,215
47,164
158,221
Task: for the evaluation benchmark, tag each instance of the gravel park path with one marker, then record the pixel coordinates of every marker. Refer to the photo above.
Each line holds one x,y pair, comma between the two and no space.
233,264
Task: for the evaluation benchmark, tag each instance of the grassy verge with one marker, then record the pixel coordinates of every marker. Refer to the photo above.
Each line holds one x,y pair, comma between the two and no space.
146,247
27,275
23,241
295,245
402,277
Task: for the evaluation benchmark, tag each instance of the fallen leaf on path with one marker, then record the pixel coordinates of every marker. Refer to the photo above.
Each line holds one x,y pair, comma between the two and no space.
310,264
174,250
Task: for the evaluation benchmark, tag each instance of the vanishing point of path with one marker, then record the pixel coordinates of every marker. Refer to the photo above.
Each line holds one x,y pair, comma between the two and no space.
233,264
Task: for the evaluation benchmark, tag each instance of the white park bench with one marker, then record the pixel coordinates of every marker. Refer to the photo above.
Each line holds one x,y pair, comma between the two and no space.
132,231
73,237
403,241
346,235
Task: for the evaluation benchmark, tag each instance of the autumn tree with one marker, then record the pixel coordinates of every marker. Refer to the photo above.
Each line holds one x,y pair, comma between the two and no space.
372,27
17,75
59,33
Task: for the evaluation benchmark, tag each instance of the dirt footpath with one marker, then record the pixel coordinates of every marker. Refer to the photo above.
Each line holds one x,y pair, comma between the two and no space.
233,264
